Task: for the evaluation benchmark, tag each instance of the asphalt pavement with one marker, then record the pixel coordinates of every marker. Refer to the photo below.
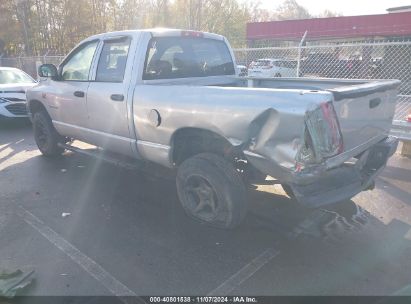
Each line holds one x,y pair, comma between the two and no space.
124,233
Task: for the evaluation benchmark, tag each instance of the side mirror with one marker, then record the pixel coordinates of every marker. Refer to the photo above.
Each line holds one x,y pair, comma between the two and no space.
48,70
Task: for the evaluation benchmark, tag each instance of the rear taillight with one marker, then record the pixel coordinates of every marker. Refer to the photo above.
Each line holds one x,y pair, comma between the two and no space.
409,117
335,141
322,135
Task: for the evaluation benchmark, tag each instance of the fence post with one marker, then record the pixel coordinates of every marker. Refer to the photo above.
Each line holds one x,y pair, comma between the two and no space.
300,45
45,55
20,64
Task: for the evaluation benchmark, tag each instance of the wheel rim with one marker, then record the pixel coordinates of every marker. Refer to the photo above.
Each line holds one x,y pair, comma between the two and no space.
202,201
41,134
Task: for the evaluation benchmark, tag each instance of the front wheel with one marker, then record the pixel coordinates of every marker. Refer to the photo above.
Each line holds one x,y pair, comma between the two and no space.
46,137
211,191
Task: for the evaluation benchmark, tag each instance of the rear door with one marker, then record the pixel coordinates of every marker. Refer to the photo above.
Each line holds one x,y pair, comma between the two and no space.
107,97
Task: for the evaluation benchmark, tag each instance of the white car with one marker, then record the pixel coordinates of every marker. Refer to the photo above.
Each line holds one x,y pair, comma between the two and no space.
270,67
13,86
242,70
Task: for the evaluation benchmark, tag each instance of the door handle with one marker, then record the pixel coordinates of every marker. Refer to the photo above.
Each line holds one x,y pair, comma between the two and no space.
117,97
78,93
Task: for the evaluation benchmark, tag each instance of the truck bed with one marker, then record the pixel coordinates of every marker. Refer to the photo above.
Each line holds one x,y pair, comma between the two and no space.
365,108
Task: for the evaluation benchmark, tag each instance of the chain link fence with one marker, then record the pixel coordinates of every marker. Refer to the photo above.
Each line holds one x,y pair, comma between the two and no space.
30,64
365,60
369,60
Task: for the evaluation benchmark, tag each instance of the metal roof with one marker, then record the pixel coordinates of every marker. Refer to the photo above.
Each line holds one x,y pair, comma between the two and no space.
391,25
398,8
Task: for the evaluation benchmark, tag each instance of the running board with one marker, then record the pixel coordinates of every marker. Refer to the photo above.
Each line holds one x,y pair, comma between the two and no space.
110,157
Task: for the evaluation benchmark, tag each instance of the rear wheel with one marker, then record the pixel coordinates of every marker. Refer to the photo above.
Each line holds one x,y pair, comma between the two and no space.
45,135
277,75
249,173
211,191
287,189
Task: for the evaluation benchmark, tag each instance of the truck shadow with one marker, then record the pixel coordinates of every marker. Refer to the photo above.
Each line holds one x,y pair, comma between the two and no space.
153,187
14,138
134,215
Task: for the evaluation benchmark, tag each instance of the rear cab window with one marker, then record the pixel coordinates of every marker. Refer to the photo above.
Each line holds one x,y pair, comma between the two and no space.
183,57
113,59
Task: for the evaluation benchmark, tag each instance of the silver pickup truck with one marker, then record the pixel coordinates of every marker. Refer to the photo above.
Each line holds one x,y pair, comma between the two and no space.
171,97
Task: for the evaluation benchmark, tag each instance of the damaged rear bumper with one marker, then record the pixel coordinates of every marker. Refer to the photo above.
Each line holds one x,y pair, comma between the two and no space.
321,187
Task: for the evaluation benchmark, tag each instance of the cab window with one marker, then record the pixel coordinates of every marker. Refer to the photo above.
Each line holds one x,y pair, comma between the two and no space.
182,57
113,59
77,67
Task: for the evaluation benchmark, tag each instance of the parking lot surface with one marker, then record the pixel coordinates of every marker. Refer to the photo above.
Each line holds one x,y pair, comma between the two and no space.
125,234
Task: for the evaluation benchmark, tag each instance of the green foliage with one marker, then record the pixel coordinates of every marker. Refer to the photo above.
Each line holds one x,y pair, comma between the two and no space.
290,9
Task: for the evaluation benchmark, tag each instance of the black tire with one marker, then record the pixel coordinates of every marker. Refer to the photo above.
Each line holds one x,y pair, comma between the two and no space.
211,191
277,75
45,135
287,189
250,174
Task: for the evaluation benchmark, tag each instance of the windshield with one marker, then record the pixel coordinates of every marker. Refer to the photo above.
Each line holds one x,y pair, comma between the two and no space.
14,76
182,57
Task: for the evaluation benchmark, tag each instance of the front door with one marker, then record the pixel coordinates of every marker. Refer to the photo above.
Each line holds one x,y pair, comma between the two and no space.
68,102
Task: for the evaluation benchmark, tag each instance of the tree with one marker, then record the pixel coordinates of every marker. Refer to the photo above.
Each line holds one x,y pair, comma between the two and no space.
9,27
290,9
56,26
327,13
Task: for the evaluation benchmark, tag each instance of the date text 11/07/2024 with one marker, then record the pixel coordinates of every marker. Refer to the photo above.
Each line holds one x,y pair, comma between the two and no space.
206,299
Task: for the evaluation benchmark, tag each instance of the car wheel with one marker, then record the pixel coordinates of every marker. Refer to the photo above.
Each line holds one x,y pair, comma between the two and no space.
250,174
45,135
287,189
277,75
211,191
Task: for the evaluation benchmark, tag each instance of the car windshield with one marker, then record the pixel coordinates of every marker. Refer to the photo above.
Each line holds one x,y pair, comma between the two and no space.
14,76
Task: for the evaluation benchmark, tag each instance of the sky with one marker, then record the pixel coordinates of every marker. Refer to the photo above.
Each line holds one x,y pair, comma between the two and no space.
346,7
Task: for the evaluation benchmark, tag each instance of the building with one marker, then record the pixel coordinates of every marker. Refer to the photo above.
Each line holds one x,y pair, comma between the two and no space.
399,9
341,47
394,25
